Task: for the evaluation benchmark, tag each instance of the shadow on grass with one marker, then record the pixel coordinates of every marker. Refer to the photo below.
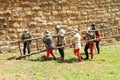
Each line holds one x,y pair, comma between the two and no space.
71,60
101,60
11,58
42,59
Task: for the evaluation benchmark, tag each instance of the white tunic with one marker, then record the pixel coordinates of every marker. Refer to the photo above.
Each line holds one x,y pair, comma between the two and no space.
76,40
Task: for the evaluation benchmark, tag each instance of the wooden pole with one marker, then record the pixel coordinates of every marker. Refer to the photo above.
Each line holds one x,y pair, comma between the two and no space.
54,36
84,41
20,49
36,52
37,45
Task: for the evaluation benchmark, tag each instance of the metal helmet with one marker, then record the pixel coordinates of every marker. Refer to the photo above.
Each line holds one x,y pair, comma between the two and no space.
93,24
57,27
75,31
26,31
47,33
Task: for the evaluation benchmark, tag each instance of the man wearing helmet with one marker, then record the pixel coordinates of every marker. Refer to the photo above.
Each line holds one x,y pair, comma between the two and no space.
76,42
26,44
47,39
89,44
98,35
60,40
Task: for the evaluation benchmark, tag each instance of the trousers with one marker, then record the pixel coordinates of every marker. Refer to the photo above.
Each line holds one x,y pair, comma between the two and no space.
26,44
89,46
98,46
77,52
61,51
50,51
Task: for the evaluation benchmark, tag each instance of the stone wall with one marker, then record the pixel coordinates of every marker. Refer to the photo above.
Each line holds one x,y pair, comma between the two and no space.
39,15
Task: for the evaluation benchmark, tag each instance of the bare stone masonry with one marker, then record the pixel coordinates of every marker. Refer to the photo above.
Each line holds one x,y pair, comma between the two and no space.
18,14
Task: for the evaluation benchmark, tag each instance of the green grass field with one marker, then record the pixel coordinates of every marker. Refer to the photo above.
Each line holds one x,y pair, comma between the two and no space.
104,66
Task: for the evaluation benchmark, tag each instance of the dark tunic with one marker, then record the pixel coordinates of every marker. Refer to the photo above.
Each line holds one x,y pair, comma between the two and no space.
48,42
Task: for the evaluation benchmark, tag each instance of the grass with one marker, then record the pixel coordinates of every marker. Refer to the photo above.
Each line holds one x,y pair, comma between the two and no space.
105,66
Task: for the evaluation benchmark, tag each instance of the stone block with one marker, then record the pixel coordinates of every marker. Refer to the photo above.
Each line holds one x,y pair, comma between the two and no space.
55,13
70,22
10,31
1,42
100,16
40,13
6,42
50,23
16,25
47,13
99,12
4,48
36,8
69,28
13,36
2,19
33,24
50,2
97,20
11,20
30,13
27,9
43,4
83,3
51,18
74,8
8,12
73,18
2,31
66,7
62,1
26,4
118,14
19,30
57,8
116,19
19,9
43,17
115,10
107,5
1,12
1,25
23,24
105,20
118,4
84,13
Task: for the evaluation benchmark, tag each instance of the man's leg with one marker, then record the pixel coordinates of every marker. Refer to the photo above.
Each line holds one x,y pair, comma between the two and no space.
91,50
28,48
53,54
24,48
48,54
98,46
61,51
86,51
77,52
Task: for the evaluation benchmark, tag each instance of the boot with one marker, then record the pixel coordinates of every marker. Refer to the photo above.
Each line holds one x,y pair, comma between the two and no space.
55,59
